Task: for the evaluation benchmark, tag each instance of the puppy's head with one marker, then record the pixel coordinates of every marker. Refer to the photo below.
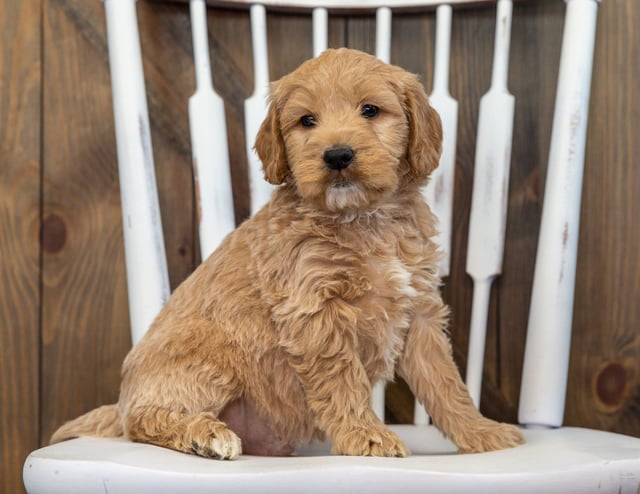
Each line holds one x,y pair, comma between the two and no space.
348,130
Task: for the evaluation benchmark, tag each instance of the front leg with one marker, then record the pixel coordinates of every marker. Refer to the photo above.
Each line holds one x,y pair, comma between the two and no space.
428,367
321,350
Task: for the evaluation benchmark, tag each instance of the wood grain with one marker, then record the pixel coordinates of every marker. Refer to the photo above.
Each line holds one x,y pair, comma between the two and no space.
604,380
81,198
85,329
82,332
20,125
20,111
472,46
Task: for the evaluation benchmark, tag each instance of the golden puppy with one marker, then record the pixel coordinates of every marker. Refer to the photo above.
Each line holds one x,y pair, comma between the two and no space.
328,289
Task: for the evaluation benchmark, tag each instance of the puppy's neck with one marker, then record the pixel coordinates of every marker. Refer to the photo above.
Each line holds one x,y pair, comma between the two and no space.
396,206
352,216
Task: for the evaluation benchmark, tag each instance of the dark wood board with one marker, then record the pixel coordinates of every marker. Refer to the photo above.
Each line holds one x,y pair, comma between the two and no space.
64,324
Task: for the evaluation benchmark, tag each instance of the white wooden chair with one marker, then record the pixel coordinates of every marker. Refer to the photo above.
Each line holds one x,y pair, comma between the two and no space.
555,458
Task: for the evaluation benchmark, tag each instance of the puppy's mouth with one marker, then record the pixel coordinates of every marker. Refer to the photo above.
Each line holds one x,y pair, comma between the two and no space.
343,195
342,183
342,178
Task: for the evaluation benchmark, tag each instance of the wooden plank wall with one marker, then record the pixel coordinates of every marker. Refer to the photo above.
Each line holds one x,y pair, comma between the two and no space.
63,308
20,200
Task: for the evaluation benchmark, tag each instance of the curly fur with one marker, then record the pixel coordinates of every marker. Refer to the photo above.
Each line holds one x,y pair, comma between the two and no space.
328,289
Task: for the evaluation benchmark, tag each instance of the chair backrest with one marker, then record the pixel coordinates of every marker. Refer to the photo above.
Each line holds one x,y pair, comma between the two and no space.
544,377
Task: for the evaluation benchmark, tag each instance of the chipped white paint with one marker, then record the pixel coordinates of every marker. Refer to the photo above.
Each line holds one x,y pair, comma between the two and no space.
211,170
544,378
383,34
487,222
347,4
147,278
560,461
255,107
439,192
320,19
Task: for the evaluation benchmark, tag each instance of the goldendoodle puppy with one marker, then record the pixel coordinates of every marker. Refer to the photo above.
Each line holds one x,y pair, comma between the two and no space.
328,289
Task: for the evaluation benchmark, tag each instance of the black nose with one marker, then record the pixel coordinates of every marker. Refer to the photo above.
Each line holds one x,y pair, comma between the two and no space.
339,157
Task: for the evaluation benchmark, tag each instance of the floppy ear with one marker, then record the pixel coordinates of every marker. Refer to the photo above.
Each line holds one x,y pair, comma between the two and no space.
425,131
270,145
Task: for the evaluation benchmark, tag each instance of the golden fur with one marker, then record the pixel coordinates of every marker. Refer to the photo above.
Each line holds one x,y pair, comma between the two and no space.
328,289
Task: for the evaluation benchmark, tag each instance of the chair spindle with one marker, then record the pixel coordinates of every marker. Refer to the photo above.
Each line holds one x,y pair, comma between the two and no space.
255,107
209,148
383,34
546,361
146,264
487,222
320,30
439,192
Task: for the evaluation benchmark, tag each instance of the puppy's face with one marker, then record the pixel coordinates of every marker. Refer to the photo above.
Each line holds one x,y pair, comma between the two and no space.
348,130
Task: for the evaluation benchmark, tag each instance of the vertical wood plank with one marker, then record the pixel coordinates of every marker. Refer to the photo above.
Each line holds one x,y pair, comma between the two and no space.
85,328
285,55
360,33
412,45
604,375
20,126
85,310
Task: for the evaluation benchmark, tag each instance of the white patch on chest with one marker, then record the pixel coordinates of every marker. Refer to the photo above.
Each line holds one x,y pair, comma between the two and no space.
399,277
390,308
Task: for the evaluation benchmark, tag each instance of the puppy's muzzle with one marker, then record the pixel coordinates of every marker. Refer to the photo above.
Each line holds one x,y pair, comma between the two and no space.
338,157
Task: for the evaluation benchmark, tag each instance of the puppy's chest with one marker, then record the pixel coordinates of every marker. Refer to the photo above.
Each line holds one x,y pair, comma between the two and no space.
391,281
386,311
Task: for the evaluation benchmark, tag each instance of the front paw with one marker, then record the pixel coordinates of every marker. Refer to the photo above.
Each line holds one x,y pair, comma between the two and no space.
488,435
369,441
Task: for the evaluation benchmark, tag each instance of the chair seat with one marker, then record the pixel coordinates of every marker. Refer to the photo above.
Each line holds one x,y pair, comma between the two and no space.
565,460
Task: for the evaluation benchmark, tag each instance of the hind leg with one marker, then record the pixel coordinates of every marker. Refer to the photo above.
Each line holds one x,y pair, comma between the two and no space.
181,415
198,433
175,383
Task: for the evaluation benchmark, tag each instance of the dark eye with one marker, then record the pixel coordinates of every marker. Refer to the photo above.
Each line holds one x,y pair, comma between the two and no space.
369,111
308,121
